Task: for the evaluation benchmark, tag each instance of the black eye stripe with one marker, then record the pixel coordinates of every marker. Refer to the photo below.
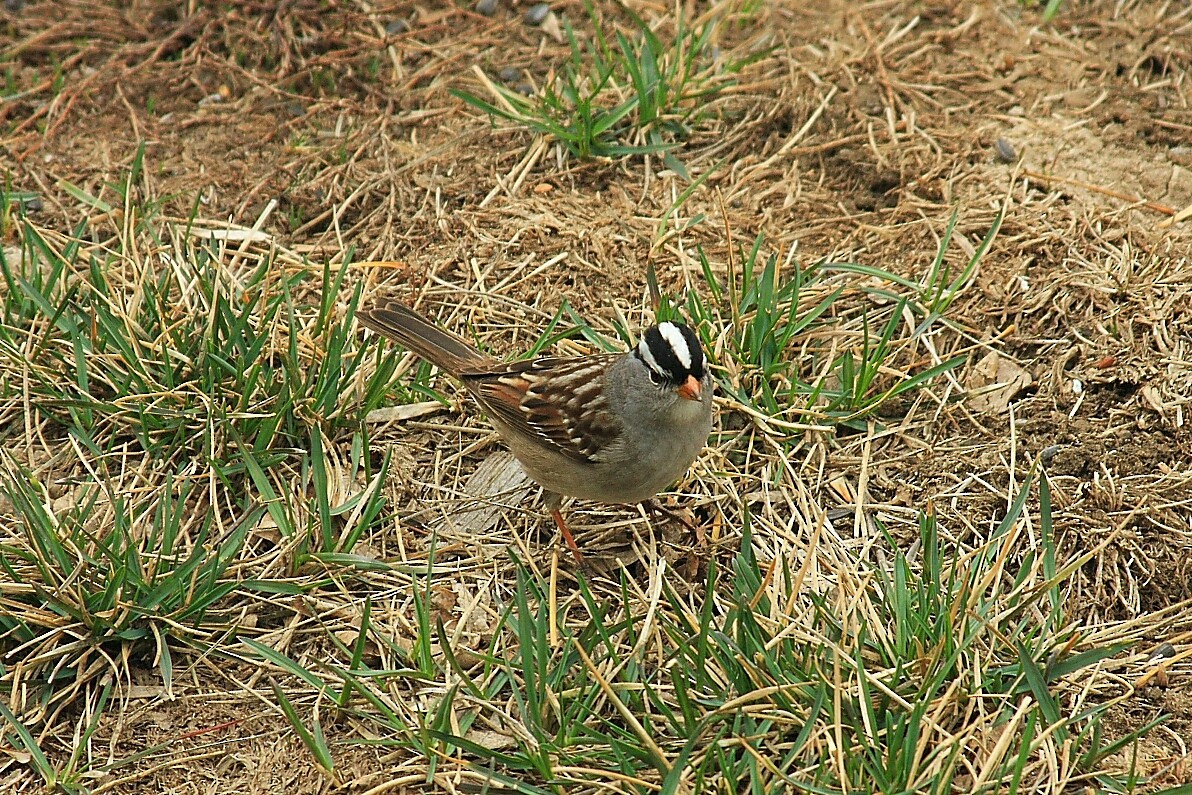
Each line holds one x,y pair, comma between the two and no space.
667,360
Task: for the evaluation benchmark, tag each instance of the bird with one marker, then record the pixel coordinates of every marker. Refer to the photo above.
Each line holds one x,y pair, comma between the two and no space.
614,428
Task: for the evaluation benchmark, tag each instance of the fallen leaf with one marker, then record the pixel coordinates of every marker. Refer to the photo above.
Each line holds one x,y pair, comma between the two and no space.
498,474
404,412
994,382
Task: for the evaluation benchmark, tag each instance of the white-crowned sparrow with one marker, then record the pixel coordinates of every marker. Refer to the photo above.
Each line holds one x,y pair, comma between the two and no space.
613,428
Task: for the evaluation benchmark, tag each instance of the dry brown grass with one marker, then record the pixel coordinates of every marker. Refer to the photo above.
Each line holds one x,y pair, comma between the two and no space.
308,132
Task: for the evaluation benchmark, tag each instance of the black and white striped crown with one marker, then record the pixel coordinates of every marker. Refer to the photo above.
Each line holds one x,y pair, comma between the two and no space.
672,353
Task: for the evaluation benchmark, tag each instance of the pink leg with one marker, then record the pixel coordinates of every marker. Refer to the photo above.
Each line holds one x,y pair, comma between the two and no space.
557,515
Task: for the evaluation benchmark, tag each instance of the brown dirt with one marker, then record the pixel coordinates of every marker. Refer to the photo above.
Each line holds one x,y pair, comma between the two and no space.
355,134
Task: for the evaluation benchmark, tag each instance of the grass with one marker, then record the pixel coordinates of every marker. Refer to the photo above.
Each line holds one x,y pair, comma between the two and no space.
758,678
189,505
620,94
1051,8
766,672
759,317
194,398
192,359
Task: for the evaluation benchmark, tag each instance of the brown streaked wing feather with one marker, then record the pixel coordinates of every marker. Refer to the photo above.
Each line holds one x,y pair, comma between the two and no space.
558,401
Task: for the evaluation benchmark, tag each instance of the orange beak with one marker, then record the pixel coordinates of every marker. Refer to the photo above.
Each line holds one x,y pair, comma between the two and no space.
690,389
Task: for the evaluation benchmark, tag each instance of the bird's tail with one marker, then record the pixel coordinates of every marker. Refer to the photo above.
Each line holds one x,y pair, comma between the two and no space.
417,334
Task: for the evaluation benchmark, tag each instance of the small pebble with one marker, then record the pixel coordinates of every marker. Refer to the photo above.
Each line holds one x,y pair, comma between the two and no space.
14,6
486,7
524,88
537,13
509,74
1162,652
1005,151
32,204
396,26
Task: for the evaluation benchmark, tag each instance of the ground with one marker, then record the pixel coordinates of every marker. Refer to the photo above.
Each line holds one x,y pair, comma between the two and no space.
853,135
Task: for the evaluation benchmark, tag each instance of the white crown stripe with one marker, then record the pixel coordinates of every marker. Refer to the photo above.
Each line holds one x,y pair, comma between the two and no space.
674,337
